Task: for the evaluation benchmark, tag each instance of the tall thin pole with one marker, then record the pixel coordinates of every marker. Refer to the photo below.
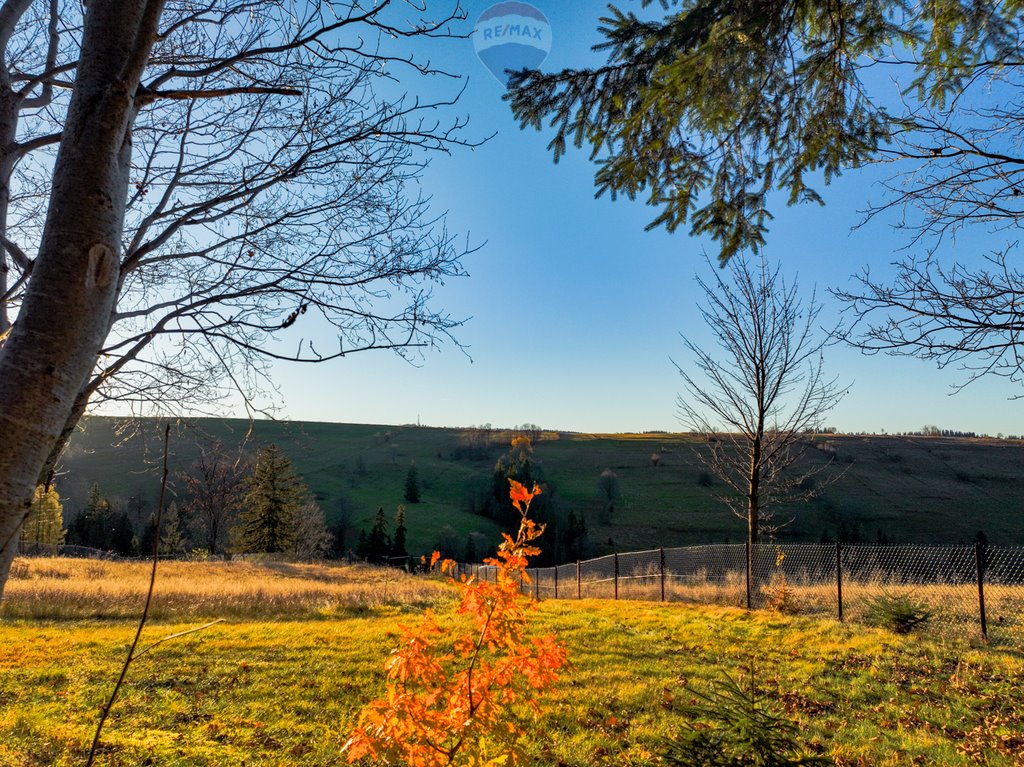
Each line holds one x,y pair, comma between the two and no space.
979,562
662,551
839,578
616,575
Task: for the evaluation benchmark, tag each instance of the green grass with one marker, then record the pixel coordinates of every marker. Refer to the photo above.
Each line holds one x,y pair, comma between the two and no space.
912,490
287,692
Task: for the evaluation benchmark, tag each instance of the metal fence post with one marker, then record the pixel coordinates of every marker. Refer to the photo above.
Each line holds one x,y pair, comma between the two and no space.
536,583
556,581
662,550
749,565
579,594
616,555
979,562
839,578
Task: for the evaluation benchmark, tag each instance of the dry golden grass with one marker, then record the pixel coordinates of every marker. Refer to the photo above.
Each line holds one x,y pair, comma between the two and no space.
954,606
60,588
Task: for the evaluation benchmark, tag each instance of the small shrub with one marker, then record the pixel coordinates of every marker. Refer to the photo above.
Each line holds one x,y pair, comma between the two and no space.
897,612
731,727
780,596
463,696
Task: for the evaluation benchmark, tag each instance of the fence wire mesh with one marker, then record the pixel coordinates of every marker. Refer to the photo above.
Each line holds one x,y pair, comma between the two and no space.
964,590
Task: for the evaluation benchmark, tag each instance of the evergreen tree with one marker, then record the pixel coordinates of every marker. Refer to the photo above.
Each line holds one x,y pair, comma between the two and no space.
517,464
412,486
398,544
275,493
362,550
44,525
469,554
145,547
172,541
122,534
712,110
378,543
576,537
98,526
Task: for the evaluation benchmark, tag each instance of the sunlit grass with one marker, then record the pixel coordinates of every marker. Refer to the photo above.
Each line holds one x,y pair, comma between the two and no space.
62,588
268,690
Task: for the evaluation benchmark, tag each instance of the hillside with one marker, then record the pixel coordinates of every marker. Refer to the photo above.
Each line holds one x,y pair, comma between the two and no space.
907,489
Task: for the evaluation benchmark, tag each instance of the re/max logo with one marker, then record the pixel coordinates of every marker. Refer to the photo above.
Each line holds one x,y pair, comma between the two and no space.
512,30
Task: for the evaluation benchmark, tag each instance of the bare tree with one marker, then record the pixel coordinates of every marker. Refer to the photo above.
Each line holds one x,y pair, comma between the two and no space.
185,186
313,539
214,488
760,391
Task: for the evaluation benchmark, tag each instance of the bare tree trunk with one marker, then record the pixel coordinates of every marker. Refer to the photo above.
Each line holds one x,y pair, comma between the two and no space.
8,138
64,318
754,492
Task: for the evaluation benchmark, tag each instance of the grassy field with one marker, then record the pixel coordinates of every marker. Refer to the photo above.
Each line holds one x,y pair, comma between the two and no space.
284,686
911,490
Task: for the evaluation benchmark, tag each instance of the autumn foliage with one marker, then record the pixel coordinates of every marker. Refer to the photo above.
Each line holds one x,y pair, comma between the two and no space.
462,696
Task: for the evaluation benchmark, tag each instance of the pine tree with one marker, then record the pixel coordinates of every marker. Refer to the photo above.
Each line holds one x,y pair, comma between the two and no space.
412,485
378,544
275,494
44,525
469,554
100,527
172,541
398,544
361,546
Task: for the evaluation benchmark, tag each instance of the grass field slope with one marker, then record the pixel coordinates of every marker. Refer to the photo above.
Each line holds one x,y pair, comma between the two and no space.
901,489
283,686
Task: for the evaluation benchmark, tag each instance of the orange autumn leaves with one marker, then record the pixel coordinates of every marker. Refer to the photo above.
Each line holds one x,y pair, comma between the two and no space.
463,696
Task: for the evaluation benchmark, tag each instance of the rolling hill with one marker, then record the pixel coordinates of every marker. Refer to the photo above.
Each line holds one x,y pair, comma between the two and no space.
903,489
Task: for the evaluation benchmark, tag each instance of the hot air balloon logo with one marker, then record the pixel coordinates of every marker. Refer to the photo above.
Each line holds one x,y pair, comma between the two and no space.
511,36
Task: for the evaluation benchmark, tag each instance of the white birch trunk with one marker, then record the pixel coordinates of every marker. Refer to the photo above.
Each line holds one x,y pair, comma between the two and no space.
64,319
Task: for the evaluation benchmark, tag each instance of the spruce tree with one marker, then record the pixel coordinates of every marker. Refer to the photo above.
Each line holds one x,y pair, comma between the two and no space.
88,527
469,553
378,544
711,111
398,544
273,498
172,541
412,485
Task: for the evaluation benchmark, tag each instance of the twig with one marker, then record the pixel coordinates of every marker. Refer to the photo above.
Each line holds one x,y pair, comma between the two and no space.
147,648
145,610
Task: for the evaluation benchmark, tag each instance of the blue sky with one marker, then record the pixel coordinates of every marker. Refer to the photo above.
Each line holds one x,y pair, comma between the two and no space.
576,311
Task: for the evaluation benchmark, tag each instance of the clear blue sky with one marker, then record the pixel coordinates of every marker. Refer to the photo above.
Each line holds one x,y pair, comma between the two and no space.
576,310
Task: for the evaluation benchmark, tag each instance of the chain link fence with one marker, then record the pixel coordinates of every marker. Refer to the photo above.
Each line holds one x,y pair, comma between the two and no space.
965,590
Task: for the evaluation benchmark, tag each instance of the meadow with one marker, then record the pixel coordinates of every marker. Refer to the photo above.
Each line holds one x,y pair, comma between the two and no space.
283,684
930,490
